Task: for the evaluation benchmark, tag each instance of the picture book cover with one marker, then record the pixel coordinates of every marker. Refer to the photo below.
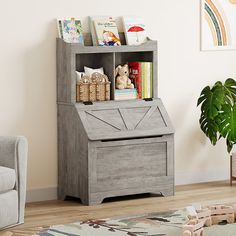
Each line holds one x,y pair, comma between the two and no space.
106,32
71,30
135,31
92,28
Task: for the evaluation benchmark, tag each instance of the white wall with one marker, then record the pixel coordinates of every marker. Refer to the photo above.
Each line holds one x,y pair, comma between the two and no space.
28,79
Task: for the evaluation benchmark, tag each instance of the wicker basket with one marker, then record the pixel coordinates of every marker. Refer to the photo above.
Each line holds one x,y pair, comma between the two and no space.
96,88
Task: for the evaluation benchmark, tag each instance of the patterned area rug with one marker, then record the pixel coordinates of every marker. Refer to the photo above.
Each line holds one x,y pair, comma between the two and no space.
156,224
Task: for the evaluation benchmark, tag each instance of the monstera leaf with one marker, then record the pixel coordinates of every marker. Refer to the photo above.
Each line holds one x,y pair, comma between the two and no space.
218,112
227,126
209,127
230,91
212,100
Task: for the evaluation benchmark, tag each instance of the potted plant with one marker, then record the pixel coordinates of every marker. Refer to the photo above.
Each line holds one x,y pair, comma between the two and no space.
218,112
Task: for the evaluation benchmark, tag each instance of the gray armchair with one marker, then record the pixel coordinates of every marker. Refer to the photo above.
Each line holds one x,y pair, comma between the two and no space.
13,165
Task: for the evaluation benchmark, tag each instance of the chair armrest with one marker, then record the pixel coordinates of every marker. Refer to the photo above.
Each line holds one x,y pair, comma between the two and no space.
13,154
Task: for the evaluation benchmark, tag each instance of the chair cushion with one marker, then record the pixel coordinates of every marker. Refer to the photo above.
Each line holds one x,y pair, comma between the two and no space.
8,179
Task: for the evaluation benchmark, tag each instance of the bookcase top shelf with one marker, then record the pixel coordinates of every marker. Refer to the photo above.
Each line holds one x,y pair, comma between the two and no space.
150,45
72,57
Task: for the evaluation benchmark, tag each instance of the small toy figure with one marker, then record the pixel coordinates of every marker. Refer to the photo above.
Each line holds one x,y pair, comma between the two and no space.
122,77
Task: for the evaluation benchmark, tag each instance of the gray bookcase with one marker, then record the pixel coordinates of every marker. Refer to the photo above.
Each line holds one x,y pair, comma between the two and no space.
110,148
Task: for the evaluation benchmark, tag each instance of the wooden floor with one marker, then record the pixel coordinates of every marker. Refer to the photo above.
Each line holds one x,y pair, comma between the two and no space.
58,212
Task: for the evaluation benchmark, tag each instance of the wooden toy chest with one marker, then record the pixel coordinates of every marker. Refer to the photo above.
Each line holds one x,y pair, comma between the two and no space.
115,149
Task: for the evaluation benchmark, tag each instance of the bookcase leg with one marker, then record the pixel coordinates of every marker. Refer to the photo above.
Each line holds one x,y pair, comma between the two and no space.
164,193
92,200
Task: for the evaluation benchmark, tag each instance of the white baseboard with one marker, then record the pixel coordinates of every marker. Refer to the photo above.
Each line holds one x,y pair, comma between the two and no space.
190,177
181,178
41,194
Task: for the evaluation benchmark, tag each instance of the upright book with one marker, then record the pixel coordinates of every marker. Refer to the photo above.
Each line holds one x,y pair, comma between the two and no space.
135,76
106,32
135,30
92,28
141,76
70,30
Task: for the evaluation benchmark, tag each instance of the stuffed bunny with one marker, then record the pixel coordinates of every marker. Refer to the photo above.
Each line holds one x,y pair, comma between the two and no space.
122,77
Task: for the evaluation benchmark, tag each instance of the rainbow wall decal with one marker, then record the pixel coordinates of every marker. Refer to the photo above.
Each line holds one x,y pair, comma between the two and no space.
218,24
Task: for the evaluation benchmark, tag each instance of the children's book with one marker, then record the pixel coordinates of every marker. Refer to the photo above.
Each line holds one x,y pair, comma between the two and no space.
106,32
70,30
92,29
141,76
135,31
135,76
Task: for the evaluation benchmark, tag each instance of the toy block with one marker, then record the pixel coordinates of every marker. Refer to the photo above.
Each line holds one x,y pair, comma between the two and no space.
205,215
200,214
193,228
221,212
234,207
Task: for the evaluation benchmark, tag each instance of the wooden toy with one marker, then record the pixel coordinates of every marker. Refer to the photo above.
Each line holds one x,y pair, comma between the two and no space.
220,213
200,214
205,215
209,216
193,228
234,207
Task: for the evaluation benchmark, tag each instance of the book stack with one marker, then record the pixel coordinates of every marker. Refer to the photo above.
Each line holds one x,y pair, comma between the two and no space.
141,76
125,94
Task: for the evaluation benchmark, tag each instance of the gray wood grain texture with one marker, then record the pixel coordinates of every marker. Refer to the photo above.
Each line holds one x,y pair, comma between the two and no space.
66,76
143,119
110,148
131,166
72,154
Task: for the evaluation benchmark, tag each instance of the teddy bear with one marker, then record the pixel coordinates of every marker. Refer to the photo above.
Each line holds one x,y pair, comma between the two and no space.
122,77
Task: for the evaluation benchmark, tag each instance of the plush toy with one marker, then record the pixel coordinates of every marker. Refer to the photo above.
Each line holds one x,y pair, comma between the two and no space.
122,77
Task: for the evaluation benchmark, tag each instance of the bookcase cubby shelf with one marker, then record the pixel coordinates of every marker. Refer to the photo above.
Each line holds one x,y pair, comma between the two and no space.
111,148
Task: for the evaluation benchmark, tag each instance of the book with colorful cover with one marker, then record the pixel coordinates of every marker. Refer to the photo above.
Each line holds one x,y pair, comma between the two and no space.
92,28
143,79
147,79
147,89
135,76
106,32
135,30
70,30
141,76
151,80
